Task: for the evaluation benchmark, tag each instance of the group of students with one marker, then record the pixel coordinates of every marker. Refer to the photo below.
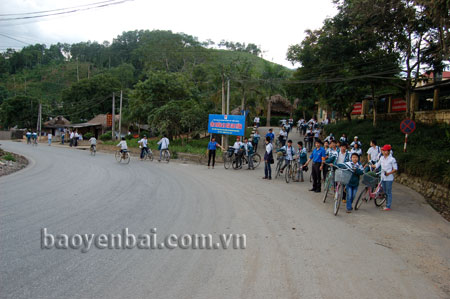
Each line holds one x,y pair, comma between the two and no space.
337,153
163,144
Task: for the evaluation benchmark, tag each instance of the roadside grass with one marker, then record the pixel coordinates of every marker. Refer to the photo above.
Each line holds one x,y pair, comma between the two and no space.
428,150
8,157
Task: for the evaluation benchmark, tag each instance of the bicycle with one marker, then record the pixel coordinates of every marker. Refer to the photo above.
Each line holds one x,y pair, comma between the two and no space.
122,156
256,160
291,171
148,154
341,177
228,157
165,155
93,150
280,159
329,181
373,190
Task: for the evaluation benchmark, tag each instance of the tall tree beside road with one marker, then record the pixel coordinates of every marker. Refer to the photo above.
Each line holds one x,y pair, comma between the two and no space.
405,27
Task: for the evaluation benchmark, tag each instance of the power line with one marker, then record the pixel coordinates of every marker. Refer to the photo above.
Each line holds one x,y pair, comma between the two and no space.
64,12
15,39
52,10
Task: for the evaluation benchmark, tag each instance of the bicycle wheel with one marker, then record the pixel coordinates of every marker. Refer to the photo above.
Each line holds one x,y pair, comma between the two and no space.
227,160
237,163
150,156
380,199
278,169
295,172
166,156
126,159
256,160
363,196
118,156
287,174
338,198
327,186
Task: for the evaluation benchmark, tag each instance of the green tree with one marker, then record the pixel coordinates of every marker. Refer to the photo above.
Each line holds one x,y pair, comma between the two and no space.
20,111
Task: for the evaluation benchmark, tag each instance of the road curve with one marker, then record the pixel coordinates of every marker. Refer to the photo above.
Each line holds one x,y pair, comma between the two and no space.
295,248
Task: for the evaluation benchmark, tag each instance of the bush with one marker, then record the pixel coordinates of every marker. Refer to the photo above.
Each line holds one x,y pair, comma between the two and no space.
106,136
9,157
129,137
88,136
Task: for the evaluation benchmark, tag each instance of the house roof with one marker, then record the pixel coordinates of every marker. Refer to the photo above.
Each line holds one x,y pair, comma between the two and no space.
101,119
57,122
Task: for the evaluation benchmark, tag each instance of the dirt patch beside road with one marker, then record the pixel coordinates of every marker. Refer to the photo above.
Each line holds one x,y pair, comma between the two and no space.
10,162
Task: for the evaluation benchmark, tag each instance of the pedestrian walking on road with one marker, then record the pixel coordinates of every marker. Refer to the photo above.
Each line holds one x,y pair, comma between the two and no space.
71,137
388,168
268,159
352,186
212,147
318,158
49,137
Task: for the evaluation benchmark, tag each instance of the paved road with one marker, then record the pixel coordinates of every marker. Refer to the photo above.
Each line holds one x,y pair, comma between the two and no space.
296,248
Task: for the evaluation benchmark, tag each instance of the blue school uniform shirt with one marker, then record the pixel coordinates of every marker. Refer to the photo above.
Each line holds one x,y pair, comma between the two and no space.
271,135
317,155
212,145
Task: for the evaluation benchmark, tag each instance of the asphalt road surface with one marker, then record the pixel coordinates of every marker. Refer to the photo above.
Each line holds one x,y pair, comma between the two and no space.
295,246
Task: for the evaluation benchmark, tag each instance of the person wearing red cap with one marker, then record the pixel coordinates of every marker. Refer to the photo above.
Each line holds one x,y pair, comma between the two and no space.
388,168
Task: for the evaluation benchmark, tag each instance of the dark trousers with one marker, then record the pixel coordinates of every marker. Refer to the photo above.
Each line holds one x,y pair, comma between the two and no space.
267,170
325,171
212,153
316,176
144,150
71,142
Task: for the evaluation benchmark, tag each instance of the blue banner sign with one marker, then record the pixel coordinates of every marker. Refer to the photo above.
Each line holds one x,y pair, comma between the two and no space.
226,124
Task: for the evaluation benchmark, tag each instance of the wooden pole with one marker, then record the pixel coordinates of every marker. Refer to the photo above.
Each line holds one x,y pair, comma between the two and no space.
113,117
120,114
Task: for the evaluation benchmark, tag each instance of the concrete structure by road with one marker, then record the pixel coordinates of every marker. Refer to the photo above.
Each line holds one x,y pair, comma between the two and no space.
296,247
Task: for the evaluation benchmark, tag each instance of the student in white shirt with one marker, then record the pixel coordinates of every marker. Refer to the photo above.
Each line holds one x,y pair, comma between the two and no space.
163,144
356,140
71,137
143,144
357,150
123,145
49,137
388,168
93,142
268,159
283,136
374,152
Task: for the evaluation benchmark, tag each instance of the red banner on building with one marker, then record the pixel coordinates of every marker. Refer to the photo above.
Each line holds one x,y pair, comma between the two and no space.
109,120
357,108
398,105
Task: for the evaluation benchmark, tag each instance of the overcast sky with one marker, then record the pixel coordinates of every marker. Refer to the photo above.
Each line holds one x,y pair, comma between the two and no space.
273,25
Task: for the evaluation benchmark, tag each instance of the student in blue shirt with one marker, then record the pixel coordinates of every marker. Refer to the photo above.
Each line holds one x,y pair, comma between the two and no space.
352,186
318,157
212,146
270,135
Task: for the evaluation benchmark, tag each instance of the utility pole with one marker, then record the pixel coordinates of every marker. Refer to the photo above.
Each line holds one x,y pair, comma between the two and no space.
120,114
223,110
228,96
113,116
38,125
78,75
